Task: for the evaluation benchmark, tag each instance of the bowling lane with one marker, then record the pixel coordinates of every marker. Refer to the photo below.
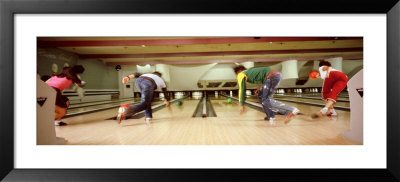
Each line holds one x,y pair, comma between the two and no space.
103,105
170,126
251,128
176,126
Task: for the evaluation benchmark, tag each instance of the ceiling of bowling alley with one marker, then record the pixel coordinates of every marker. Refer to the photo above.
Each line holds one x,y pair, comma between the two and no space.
197,50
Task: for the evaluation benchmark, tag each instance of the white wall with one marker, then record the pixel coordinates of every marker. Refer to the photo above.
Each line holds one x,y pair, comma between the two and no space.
220,72
185,77
98,75
126,70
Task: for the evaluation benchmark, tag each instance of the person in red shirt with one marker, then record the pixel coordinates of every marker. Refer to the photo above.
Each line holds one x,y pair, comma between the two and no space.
334,82
60,82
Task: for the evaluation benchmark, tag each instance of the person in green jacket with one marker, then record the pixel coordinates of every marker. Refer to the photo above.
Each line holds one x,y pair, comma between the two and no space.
270,80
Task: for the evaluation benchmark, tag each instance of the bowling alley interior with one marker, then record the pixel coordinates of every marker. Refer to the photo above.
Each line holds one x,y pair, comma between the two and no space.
206,105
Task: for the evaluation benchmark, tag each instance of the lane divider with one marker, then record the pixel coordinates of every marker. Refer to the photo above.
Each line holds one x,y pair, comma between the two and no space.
204,114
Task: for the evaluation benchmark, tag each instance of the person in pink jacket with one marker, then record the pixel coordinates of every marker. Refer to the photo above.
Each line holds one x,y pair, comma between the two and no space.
60,82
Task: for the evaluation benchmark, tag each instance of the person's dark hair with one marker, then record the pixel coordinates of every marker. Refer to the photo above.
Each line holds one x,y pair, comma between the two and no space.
45,77
70,74
157,73
78,69
137,75
324,63
239,68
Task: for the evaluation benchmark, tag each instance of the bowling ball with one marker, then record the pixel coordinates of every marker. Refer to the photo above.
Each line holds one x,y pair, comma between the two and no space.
313,75
229,100
179,102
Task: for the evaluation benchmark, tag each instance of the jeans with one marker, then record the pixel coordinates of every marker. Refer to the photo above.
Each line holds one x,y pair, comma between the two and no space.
269,104
147,90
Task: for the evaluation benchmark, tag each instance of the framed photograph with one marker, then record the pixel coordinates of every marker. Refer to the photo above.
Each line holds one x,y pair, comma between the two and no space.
221,42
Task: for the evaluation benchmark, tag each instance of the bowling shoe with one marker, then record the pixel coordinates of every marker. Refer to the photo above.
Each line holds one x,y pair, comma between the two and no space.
331,112
272,121
121,116
59,123
147,121
287,119
289,116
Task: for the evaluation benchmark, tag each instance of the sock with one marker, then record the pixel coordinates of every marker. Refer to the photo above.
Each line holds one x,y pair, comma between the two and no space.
324,110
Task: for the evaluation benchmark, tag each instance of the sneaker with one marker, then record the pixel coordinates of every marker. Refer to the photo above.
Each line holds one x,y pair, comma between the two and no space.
122,112
59,123
148,121
295,111
62,123
266,118
287,119
121,116
331,112
272,121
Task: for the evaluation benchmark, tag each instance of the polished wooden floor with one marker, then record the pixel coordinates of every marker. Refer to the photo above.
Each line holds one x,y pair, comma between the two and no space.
175,126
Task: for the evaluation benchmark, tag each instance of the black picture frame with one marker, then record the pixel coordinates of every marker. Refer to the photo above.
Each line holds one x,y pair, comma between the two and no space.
8,8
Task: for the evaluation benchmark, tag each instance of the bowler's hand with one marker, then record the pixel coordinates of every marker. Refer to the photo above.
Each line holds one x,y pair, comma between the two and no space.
241,110
125,80
258,90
